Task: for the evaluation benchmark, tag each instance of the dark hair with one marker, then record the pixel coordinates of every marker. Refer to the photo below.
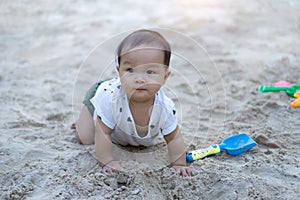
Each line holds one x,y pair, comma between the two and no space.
144,36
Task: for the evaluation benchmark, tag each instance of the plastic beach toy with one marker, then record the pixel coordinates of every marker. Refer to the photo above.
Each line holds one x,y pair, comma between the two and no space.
282,83
234,145
296,102
289,90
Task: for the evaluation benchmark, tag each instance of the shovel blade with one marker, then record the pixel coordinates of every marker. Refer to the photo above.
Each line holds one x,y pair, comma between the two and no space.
237,144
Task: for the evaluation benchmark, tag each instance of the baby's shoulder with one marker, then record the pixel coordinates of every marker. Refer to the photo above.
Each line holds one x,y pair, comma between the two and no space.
109,87
163,100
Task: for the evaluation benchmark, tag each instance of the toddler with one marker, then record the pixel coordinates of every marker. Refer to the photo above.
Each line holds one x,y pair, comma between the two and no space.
132,109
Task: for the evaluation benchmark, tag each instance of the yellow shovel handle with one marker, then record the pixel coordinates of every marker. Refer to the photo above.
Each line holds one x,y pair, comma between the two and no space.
202,153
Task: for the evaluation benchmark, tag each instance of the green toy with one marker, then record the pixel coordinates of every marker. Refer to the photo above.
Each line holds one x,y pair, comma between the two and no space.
289,90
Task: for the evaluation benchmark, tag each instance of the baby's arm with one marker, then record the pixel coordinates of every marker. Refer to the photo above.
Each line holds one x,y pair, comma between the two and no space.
103,145
177,151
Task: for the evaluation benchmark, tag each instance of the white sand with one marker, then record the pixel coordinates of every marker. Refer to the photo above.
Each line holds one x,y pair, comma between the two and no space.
45,45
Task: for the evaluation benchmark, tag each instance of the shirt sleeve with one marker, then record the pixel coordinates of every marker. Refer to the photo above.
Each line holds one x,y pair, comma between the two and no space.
102,102
171,122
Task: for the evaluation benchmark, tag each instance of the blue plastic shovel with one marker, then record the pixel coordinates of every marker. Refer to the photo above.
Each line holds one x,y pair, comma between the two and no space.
234,145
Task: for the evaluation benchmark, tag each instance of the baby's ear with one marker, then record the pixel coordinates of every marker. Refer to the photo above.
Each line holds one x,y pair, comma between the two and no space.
168,72
118,68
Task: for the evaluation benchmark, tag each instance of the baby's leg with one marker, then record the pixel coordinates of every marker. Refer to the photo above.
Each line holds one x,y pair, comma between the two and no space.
85,127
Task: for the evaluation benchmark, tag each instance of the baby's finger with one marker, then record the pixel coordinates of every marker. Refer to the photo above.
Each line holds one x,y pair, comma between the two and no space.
183,172
114,170
189,171
103,170
107,170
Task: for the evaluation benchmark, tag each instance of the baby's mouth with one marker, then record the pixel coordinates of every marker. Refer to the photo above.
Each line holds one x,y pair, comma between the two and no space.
141,88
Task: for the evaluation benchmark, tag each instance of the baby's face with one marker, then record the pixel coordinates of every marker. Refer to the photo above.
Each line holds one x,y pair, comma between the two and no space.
142,73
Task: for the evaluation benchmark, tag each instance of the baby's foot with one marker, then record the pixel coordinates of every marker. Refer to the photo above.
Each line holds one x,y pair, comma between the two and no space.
73,127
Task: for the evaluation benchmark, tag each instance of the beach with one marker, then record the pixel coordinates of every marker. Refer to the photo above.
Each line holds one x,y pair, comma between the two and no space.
222,51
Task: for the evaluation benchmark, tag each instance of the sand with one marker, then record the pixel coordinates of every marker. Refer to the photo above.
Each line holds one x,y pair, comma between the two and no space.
52,51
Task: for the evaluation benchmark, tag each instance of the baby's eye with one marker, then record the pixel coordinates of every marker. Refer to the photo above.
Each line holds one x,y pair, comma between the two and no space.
150,72
130,70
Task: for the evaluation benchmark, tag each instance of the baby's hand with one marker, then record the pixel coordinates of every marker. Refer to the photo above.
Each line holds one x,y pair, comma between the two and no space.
183,170
111,167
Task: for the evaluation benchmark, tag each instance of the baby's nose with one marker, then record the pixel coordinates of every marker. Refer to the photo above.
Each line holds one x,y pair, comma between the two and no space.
140,78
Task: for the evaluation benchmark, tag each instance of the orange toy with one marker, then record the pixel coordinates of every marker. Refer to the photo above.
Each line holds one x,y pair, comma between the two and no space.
296,102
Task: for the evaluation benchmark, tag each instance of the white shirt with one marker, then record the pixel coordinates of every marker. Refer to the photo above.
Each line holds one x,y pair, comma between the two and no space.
111,106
